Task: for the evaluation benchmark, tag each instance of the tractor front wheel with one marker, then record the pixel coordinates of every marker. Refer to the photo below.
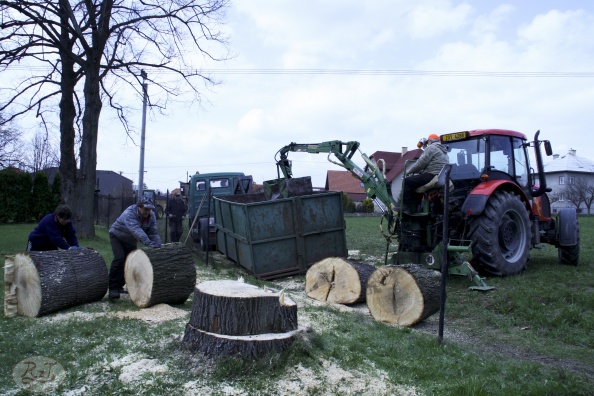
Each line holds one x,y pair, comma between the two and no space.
501,235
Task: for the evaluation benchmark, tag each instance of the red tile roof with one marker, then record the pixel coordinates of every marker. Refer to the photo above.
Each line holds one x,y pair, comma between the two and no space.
343,181
399,165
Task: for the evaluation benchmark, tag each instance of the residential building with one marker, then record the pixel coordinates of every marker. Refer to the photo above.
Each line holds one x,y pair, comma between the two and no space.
345,181
563,171
108,182
390,163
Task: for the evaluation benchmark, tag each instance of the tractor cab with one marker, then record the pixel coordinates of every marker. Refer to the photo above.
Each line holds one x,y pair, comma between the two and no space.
483,155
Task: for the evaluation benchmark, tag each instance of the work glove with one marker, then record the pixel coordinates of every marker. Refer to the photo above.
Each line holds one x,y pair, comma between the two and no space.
155,244
74,248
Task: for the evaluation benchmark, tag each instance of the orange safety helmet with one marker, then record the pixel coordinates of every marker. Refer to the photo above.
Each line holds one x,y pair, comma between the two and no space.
433,136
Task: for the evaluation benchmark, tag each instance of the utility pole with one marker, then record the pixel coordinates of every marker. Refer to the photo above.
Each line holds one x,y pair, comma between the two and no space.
142,134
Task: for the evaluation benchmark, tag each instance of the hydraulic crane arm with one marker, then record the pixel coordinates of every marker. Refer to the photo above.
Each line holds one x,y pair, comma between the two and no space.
374,181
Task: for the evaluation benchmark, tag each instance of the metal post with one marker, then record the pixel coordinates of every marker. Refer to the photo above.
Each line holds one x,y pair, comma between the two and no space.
166,214
142,134
444,251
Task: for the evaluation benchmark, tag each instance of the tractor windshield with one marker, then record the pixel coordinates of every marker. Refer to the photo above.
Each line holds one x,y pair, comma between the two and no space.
467,158
506,154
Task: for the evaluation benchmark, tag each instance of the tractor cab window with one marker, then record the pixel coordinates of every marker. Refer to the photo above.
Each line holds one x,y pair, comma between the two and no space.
520,162
508,155
467,158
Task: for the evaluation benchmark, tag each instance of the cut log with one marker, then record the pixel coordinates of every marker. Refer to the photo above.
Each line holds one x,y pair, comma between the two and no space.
338,280
237,308
43,282
232,318
403,295
164,275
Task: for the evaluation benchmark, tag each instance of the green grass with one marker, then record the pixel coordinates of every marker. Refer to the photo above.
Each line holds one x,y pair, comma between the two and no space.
544,315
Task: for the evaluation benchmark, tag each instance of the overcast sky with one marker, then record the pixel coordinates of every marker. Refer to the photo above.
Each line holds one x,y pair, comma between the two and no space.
543,45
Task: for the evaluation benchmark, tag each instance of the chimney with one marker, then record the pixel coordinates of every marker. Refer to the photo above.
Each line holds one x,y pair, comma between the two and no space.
404,150
572,152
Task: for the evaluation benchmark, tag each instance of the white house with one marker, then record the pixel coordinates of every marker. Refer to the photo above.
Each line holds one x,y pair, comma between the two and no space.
565,170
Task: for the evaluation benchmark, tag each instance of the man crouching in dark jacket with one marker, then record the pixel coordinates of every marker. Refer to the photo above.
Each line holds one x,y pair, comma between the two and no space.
136,223
54,231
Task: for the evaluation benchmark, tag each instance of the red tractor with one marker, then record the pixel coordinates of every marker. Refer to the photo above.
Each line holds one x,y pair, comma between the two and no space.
498,205
495,208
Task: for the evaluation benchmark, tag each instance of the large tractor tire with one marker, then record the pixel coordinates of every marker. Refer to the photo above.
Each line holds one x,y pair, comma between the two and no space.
569,225
501,235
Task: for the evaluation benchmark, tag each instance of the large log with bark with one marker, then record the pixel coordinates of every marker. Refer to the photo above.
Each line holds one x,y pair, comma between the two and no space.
38,283
404,294
338,280
232,318
164,275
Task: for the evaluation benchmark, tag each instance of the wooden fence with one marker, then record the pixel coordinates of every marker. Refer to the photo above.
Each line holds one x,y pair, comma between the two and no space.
109,207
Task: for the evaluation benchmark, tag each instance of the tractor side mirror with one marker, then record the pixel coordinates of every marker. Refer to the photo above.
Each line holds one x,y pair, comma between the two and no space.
548,148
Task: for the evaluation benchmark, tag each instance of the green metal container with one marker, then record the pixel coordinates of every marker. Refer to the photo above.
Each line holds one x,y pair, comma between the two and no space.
272,239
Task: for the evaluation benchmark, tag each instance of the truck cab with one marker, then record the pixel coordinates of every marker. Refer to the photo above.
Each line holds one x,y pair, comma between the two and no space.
201,190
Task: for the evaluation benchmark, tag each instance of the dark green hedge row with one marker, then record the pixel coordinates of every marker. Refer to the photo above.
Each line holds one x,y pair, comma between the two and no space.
26,198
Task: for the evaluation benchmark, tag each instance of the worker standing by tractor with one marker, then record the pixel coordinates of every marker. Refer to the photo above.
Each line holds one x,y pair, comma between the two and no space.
427,166
176,210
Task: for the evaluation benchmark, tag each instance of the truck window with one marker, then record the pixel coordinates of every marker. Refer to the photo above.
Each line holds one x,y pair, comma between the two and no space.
219,183
200,185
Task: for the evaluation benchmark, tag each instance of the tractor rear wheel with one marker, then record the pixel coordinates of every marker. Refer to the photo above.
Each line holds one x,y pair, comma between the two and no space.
569,255
501,235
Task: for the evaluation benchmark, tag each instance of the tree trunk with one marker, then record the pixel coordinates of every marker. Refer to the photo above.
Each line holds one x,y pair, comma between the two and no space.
68,168
248,347
338,280
160,275
43,282
88,149
238,319
403,295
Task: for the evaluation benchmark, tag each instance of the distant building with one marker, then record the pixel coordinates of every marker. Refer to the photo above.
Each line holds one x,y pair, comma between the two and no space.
565,170
395,163
107,183
390,163
345,181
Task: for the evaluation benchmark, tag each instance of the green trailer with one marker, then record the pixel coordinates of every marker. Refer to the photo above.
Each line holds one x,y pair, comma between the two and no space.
280,237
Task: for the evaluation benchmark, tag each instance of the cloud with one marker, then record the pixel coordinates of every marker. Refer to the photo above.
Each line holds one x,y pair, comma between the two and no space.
434,18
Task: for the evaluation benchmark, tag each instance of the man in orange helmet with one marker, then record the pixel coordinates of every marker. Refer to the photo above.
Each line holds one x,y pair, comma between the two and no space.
427,166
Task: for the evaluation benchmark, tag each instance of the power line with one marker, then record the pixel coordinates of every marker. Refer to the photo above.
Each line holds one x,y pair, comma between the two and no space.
362,72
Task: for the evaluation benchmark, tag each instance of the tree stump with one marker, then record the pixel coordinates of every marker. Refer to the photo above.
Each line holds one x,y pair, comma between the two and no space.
232,318
164,275
403,295
338,280
38,283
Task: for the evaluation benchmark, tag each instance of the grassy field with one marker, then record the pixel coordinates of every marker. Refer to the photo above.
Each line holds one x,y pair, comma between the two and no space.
533,335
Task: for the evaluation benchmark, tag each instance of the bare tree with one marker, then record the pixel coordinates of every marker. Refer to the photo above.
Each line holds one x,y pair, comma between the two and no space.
108,43
10,145
577,192
41,152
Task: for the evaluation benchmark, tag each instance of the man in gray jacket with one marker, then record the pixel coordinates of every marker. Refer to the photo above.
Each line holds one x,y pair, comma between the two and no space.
136,223
427,166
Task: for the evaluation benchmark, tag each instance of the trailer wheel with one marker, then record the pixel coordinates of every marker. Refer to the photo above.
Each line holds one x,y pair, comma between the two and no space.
569,255
501,235
204,231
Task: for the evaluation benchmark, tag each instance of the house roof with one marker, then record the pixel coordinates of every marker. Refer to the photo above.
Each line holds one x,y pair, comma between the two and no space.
399,165
390,158
343,181
569,162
